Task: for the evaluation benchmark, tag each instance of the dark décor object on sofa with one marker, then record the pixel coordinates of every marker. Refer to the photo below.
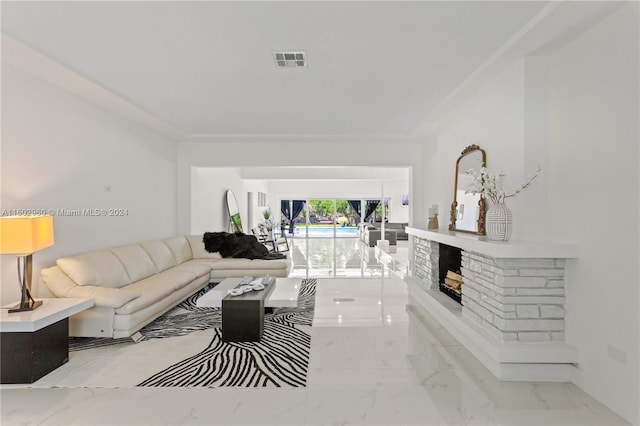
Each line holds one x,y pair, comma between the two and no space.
237,245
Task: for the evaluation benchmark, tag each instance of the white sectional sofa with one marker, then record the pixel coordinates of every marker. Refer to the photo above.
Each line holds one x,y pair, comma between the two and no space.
134,284
372,235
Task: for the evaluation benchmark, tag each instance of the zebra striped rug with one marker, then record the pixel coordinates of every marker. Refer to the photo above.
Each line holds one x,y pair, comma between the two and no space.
279,359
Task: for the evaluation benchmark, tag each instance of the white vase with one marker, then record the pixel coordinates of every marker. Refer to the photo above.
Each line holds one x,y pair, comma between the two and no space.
498,222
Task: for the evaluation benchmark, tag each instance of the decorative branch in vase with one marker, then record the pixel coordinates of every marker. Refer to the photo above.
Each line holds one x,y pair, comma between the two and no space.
491,186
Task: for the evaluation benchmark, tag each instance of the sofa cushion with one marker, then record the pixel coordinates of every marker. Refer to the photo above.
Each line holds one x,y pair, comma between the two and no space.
177,277
391,225
160,254
136,261
197,248
62,286
249,264
103,296
180,249
208,263
100,268
198,267
155,288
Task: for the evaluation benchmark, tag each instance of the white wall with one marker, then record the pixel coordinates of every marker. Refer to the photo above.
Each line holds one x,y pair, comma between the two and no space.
389,153
431,191
492,119
594,140
394,191
208,198
343,189
62,152
254,212
209,184
573,111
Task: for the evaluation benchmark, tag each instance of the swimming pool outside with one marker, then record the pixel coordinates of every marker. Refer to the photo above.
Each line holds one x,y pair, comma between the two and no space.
326,232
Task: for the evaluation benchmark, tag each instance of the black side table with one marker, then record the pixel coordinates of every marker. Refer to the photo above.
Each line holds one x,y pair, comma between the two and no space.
34,343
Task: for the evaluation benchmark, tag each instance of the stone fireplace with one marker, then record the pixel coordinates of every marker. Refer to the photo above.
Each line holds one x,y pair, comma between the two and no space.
512,312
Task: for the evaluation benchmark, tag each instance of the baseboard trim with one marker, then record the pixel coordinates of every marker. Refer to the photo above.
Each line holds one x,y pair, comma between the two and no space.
616,401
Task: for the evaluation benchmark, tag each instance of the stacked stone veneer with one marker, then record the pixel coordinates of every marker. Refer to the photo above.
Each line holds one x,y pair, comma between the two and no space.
515,300
426,258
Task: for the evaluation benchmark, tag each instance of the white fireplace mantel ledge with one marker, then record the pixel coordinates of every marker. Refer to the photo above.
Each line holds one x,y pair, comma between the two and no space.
496,249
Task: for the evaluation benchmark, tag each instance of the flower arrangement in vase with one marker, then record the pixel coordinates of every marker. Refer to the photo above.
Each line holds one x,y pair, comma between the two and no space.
490,184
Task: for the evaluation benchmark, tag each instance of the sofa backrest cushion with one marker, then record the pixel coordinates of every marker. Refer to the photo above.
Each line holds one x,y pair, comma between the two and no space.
136,261
100,268
62,286
160,254
180,249
198,250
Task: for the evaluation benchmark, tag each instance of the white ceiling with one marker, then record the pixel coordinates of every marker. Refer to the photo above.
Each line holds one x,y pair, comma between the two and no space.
206,67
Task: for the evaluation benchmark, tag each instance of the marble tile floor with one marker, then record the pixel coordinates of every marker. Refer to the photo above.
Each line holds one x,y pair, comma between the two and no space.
376,359
340,258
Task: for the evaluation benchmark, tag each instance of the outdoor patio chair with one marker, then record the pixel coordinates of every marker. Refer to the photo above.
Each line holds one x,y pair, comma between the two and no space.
280,242
262,238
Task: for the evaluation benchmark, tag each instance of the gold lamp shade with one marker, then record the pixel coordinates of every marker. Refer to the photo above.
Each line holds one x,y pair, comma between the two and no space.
25,234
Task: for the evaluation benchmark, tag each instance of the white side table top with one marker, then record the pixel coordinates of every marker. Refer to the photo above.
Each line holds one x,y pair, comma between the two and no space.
51,311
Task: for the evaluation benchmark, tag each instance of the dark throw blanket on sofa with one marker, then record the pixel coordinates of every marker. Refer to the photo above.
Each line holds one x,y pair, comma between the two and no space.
237,245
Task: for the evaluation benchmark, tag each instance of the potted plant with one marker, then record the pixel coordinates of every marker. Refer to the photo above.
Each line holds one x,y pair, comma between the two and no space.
268,223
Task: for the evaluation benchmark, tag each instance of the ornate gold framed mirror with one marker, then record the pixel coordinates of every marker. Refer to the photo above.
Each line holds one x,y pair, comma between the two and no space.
468,210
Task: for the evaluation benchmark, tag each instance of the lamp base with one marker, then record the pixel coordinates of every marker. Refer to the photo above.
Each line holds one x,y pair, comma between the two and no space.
27,302
29,306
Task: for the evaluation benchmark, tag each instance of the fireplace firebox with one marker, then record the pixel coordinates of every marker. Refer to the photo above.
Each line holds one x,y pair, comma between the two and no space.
450,261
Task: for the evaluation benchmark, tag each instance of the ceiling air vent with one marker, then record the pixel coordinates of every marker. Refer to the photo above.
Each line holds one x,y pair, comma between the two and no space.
290,59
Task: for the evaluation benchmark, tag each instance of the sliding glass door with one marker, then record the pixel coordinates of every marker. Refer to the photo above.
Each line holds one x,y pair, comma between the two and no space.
348,217
325,218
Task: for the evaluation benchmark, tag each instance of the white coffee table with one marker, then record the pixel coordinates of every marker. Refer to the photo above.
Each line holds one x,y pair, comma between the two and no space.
284,295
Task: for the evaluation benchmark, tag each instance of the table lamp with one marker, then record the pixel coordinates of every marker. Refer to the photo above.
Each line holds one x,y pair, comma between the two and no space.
23,236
